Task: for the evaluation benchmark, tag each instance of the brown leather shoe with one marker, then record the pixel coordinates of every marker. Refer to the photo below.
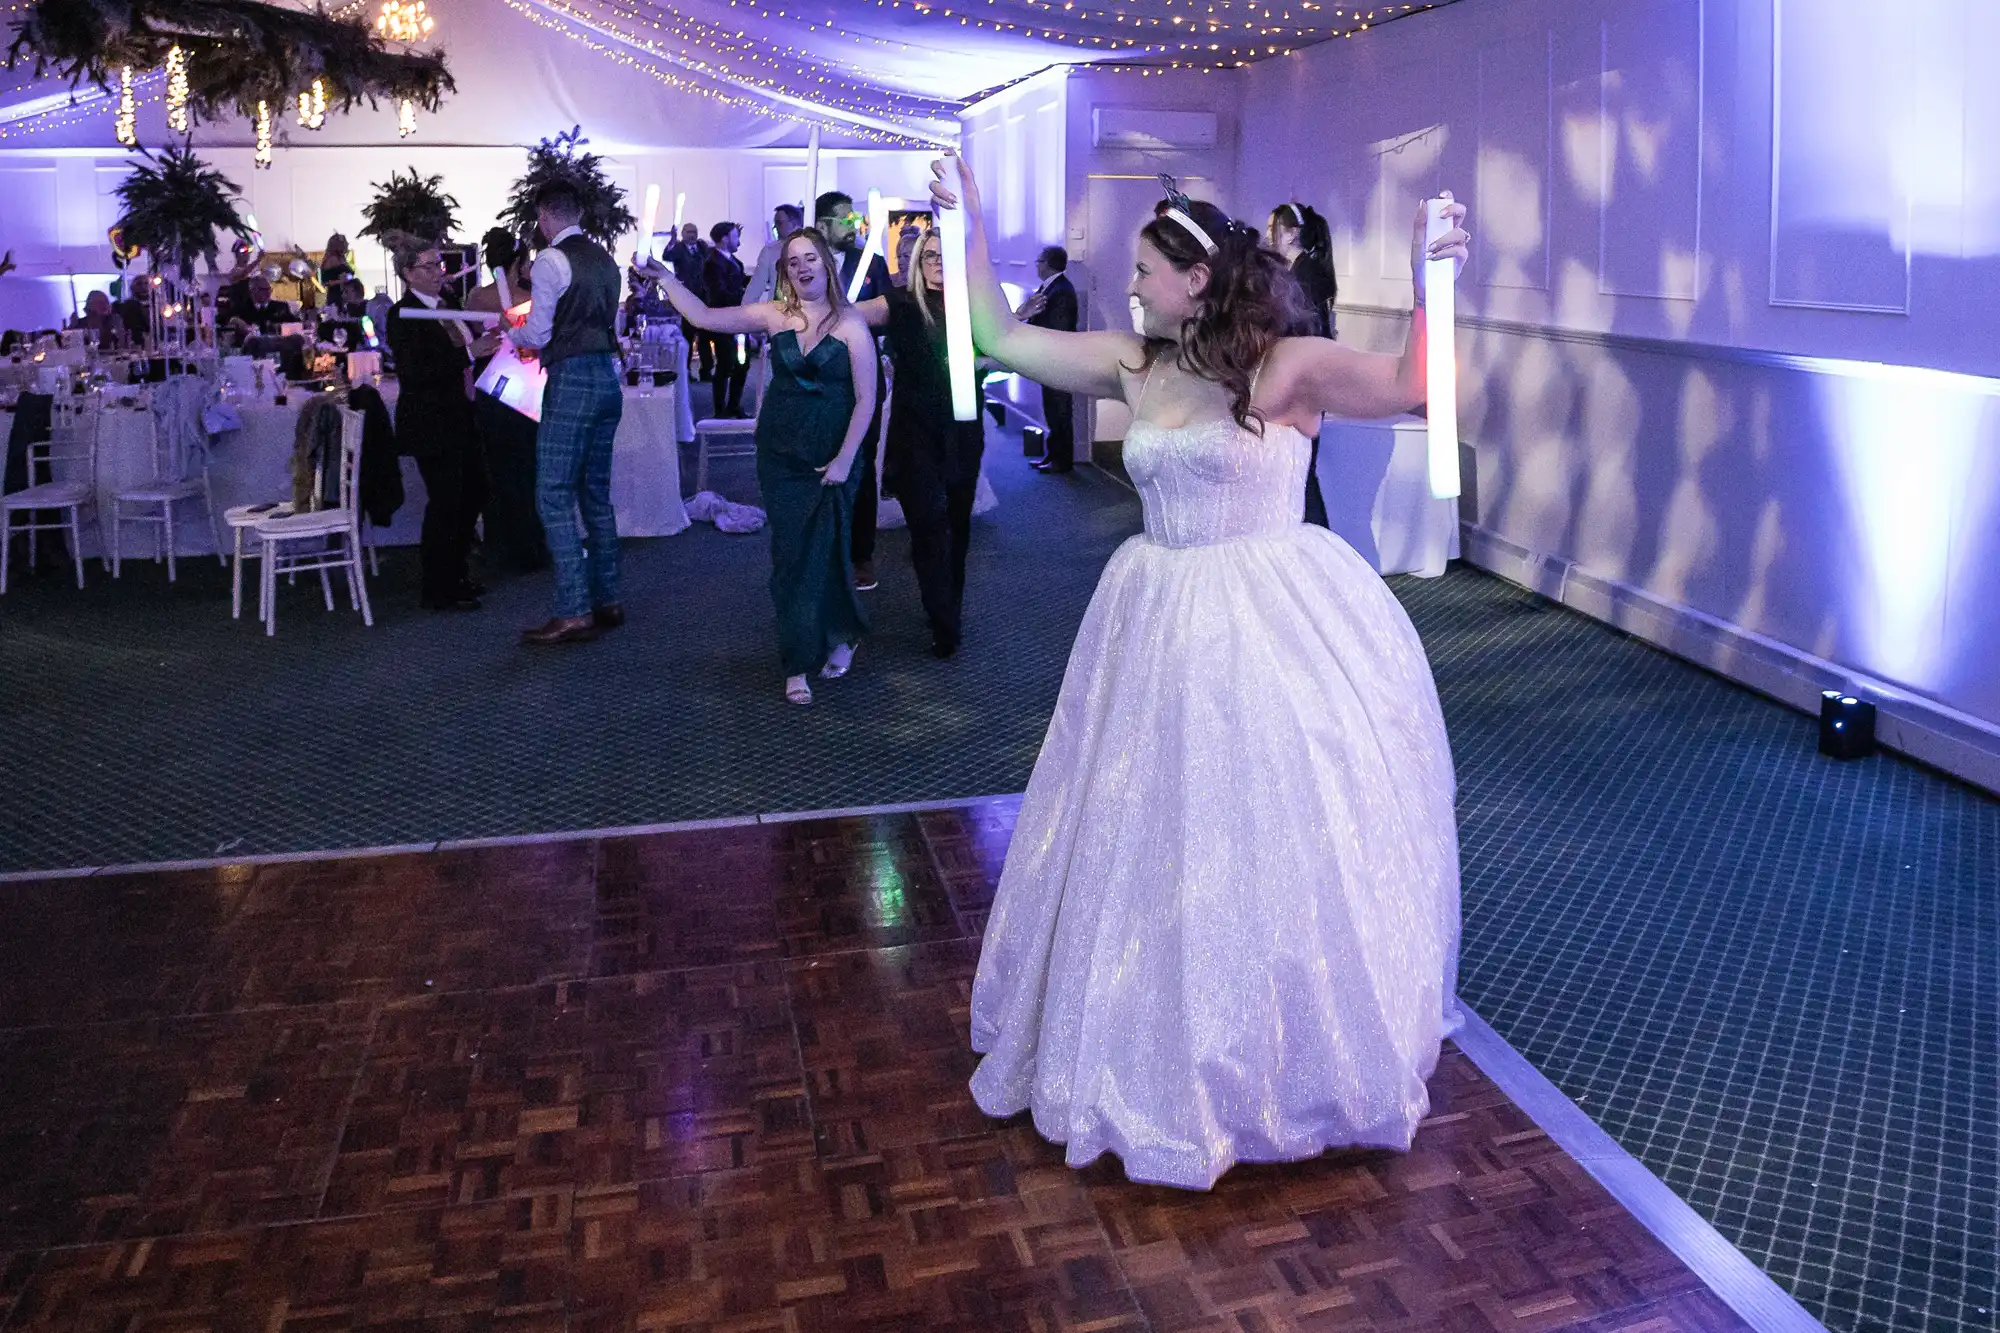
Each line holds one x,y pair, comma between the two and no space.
562,629
609,616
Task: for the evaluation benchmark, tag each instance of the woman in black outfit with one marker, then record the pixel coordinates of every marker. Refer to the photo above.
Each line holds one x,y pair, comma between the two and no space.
1302,238
513,524
931,462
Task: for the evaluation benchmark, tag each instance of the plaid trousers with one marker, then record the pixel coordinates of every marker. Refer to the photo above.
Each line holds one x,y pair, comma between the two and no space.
581,408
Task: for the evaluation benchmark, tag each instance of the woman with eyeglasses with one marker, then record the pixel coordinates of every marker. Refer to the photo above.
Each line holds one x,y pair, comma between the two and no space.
930,462
1227,929
810,425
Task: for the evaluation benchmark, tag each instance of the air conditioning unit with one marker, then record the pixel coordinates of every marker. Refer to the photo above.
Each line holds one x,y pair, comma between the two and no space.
1149,129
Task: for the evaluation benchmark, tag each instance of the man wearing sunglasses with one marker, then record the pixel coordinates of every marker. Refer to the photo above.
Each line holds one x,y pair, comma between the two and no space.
835,217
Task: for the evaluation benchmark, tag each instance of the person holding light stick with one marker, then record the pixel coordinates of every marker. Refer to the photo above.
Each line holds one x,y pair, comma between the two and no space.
810,427
1227,928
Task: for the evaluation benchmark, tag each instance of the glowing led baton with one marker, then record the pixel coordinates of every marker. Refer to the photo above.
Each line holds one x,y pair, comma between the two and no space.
812,175
1441,355
878,227
646,221
957,314
680,206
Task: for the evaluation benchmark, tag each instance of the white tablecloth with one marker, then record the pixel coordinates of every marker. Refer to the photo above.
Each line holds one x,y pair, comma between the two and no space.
1375,477
254,465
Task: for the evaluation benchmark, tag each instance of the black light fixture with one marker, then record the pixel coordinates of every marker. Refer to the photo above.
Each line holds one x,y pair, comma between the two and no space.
1846,725
1034,442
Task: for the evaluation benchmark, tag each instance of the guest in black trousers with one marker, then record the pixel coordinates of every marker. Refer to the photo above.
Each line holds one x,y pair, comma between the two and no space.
931,462
835,218
1053,306
723,273
513,525
434,424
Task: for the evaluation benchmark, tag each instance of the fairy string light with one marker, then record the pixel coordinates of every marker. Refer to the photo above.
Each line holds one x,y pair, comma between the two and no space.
739,101
177,90
262,160
127,124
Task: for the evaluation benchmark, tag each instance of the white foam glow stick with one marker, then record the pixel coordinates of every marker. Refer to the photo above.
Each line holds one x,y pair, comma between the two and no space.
680,206
878,228
957,314
1441,356
812,174
646,221
454,316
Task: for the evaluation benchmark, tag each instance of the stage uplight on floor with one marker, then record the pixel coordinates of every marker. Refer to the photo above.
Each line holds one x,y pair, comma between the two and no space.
1846,725
1034,441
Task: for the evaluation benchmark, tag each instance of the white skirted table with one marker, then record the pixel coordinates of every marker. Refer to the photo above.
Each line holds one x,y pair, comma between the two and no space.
253,465
1375,477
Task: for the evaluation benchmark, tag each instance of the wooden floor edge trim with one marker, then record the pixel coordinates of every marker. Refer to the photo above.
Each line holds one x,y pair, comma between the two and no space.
862,811
1738,1282
503,840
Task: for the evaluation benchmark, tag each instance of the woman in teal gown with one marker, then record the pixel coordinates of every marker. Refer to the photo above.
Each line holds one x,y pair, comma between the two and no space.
809,429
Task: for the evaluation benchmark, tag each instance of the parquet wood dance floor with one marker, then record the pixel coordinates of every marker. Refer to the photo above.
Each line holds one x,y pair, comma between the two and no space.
710,1081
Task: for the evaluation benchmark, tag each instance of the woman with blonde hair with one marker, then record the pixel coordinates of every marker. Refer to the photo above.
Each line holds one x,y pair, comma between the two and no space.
930,462
809,428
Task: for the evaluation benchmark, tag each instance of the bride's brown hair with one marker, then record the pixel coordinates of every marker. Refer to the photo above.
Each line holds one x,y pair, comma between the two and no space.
1250,302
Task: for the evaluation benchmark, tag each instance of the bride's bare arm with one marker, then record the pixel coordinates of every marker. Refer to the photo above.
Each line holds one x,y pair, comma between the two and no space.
1313,377
1072,362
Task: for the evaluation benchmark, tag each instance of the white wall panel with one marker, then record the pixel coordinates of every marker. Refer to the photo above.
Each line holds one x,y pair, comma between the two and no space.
1512,183
33,231
1651,109
1840,217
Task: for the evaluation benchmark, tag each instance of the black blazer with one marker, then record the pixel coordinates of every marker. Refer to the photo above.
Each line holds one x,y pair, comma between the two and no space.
1061,312
433,413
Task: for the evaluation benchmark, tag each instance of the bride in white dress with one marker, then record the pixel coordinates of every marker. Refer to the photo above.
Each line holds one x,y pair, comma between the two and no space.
1227,930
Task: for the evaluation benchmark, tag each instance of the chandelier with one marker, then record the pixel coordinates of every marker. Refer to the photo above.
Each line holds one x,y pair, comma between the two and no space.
403,21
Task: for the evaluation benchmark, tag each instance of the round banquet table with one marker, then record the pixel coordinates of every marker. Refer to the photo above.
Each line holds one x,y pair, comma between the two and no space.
253,465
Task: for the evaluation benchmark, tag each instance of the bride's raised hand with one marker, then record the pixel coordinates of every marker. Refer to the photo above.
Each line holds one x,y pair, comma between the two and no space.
1455,244
948,171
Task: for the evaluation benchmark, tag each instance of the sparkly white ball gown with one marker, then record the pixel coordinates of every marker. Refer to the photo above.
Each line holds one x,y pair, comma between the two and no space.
1227,929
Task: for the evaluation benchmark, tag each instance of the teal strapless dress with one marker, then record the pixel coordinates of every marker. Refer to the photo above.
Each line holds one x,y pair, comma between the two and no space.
804,417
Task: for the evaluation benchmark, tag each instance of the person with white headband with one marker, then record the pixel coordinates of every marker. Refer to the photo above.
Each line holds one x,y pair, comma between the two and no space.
1227,929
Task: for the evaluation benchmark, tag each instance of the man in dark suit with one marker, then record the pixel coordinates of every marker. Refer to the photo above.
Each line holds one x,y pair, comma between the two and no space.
725,280
688,256
136,309
1053,306
260,313
434,425
834,215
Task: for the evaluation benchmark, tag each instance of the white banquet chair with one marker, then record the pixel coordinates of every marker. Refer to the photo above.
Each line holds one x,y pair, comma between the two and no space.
740,432
180,472
241,519
319,540
69,456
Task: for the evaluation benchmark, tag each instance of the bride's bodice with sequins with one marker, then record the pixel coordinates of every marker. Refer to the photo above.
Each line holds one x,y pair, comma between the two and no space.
1214,481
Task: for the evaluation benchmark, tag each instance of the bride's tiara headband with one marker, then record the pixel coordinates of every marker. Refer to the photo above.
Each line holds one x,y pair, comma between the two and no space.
1178,205
1193,229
